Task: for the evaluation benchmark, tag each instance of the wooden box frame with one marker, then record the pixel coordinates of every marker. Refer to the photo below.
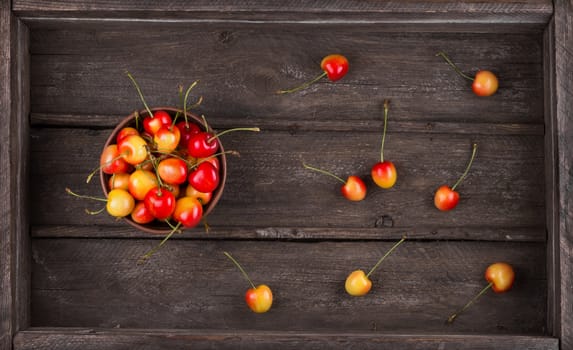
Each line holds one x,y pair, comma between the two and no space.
15,16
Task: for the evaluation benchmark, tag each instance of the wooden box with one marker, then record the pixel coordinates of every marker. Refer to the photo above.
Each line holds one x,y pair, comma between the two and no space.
70,280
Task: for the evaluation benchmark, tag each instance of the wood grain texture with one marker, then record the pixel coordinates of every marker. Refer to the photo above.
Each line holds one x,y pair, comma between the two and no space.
564,124
492,12
112,339
80,71
14,240
192,285
504,191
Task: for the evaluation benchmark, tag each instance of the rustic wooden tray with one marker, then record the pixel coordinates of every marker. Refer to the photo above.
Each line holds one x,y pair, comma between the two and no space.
70,281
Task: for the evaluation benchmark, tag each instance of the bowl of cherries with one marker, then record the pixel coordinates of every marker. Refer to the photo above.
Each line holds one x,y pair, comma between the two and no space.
172,165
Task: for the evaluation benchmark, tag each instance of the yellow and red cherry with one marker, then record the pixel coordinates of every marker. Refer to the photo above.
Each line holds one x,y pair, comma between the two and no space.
172,171
157,120
188,211
140,182
124,132
500,277
119,180
111,161
484,83
166,139
334,67
358,283
203,197
384,172
119,203
140,214
258,298
352,189
134,149
447,198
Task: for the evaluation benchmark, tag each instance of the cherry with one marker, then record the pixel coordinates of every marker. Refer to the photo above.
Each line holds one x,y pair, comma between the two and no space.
188,211
111,161
166,139
258,298
447,198
119,180
119,203
353,189
123,133
141,182
485,83
203,197
500,276
205,177
156,121
334,67
384,172
187,130
133,148
204,144
160,203
140,214
172,171
358,283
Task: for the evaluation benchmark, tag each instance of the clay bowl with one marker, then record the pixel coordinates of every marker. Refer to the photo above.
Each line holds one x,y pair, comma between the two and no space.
158,227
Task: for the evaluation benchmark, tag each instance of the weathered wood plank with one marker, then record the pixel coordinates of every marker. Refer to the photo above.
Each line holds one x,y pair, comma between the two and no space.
504,190
14,240
485,12
563,99
113,339
240,66
110,121
192,285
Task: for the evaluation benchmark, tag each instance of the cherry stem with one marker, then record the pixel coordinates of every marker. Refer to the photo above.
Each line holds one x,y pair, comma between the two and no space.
445,57
140,94
157,247
386,105
185,101
240,268
385,256
453,316
95,212
303,86
86,197
231,130
467,168
323,172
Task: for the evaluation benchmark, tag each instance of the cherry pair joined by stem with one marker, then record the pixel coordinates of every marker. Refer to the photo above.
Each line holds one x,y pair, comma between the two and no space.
484,83
334,67
500,277
447,198
352,189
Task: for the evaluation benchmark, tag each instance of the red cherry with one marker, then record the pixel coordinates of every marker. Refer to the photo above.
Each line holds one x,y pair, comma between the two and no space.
160,203
141,215
187,130
203,145
335,66
205,178
447,198
172,171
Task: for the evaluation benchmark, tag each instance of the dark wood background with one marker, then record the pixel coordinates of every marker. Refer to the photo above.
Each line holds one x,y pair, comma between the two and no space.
290,227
